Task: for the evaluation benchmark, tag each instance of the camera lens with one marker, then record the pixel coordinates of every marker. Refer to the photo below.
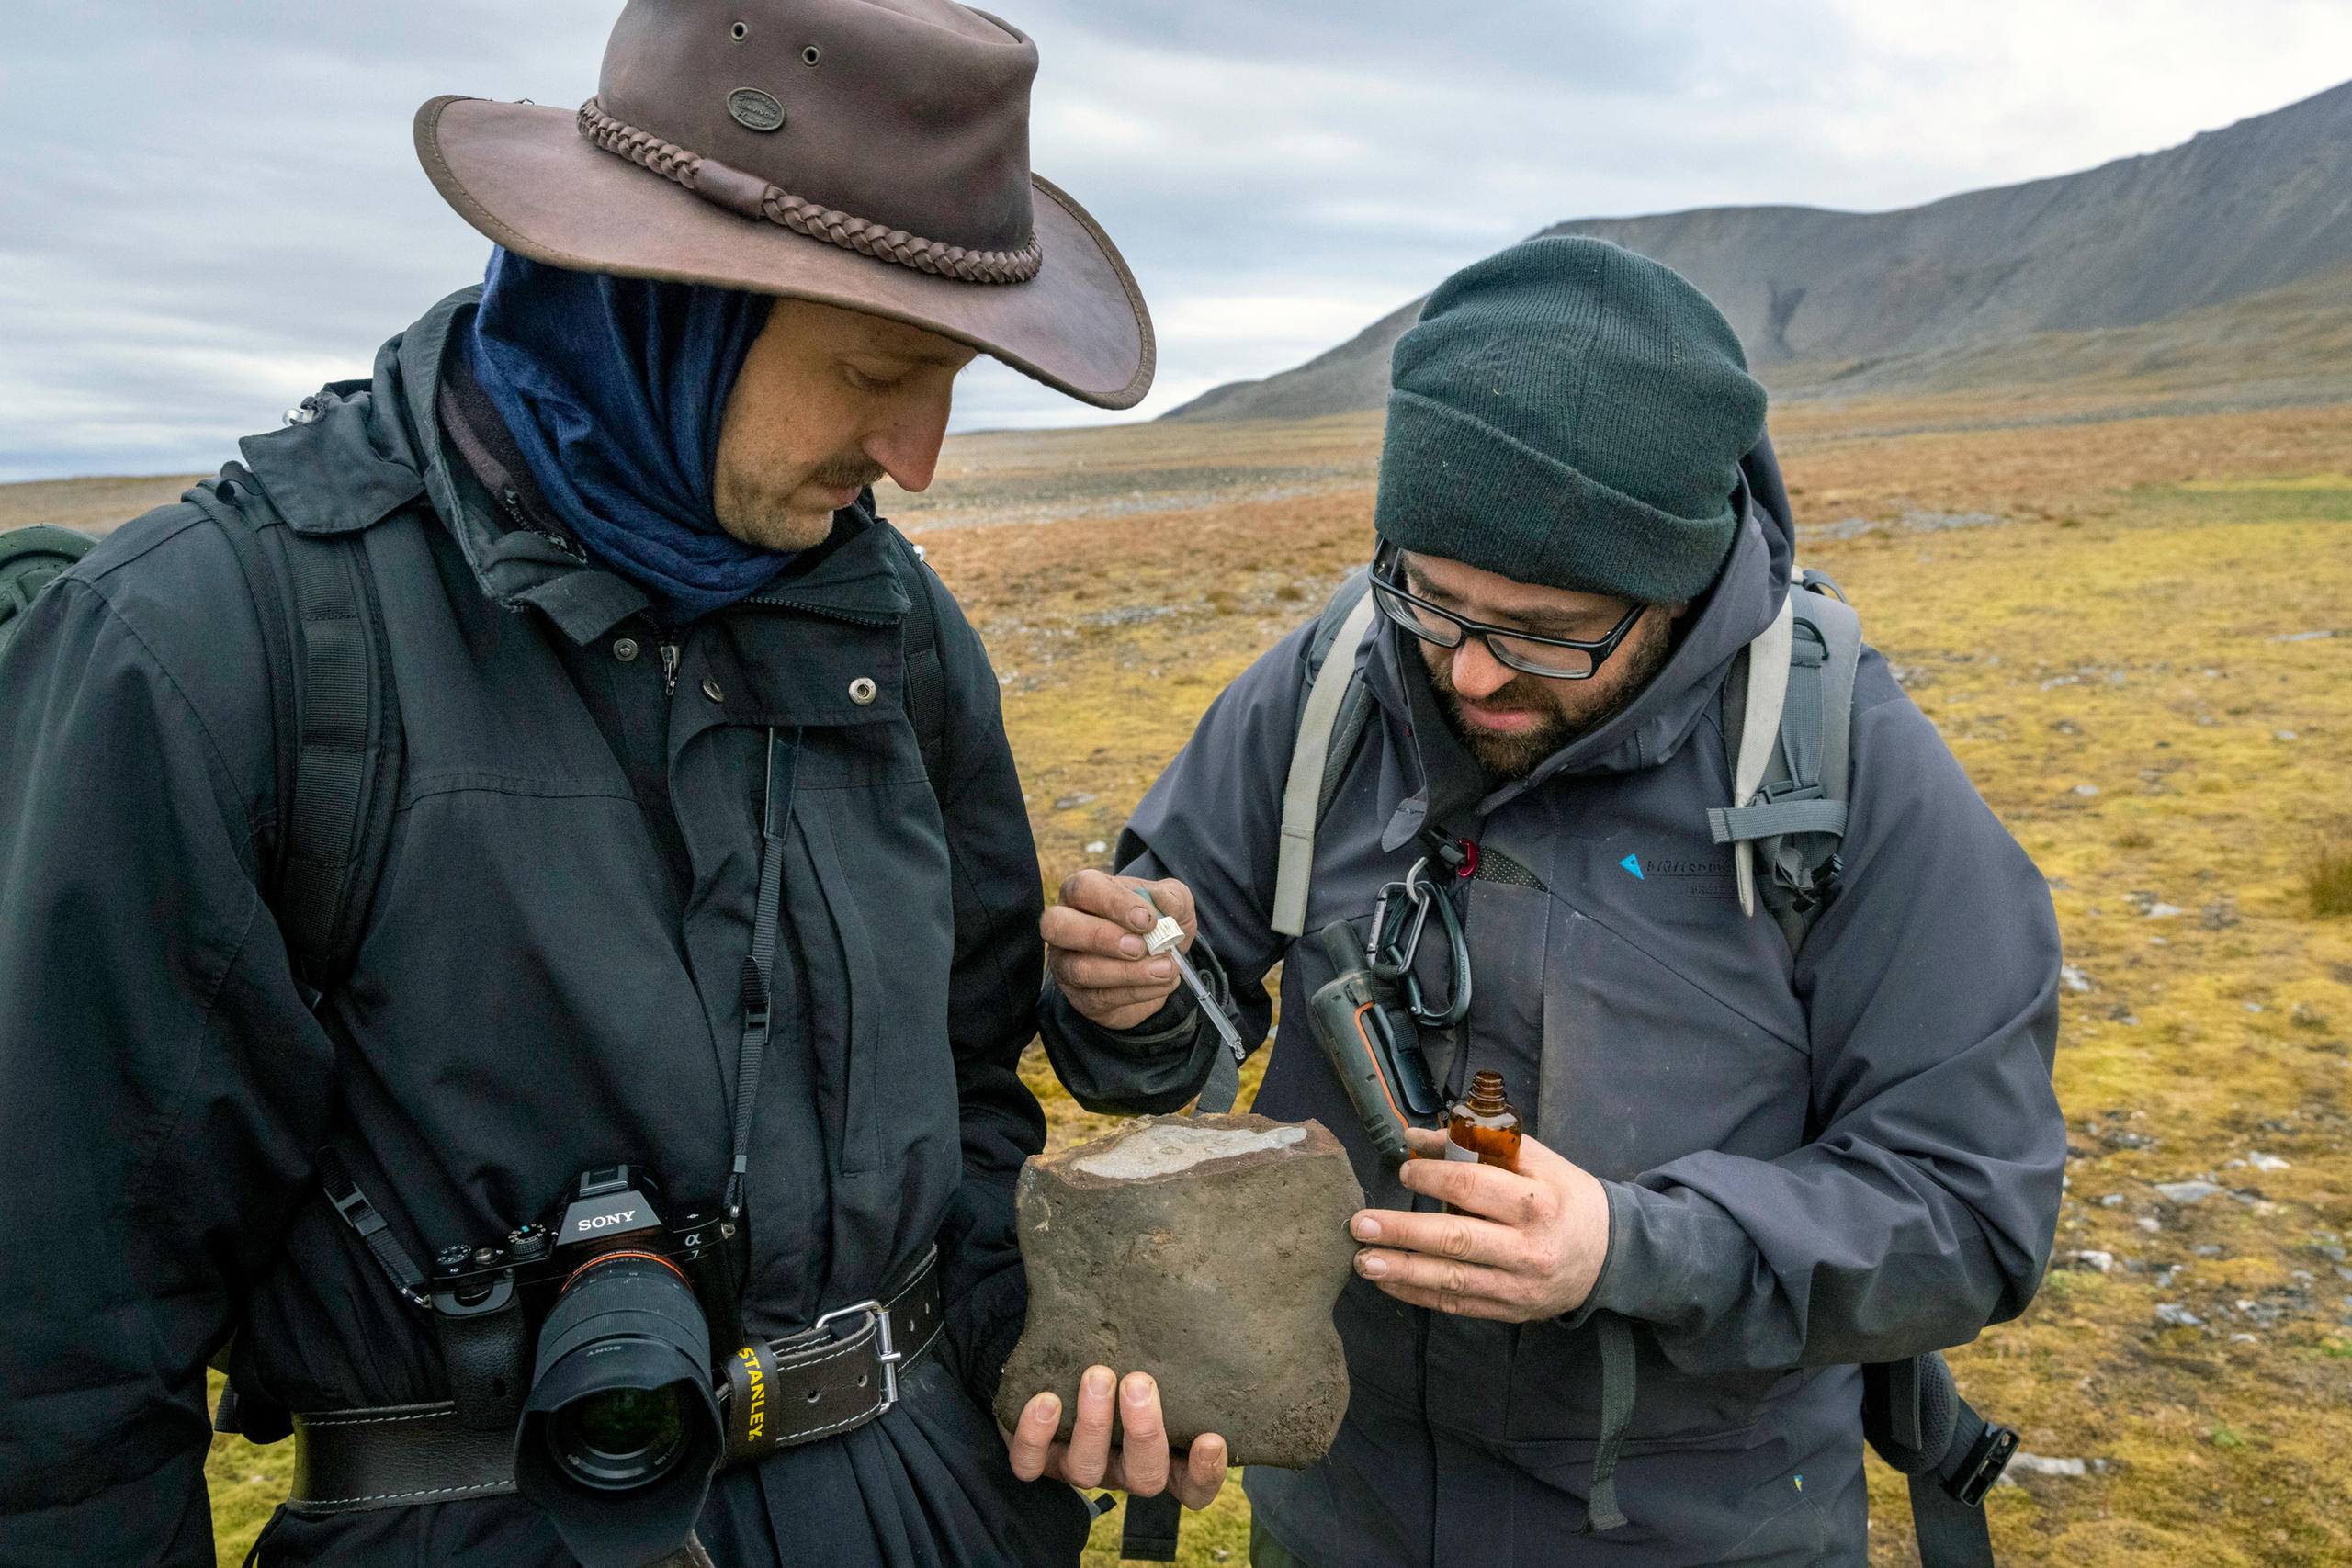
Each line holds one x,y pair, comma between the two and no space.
623,1436
621,1433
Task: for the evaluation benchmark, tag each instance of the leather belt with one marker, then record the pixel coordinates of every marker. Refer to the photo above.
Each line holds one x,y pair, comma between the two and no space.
814,1385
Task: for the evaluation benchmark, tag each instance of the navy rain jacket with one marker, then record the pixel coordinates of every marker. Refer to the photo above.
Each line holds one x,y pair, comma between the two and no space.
550,981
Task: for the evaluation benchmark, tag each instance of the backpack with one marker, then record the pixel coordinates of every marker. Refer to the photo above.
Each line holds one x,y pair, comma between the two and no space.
337,715
30,559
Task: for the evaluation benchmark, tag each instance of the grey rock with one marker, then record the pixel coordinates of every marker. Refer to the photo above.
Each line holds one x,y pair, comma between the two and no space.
1206,1251
2187,1192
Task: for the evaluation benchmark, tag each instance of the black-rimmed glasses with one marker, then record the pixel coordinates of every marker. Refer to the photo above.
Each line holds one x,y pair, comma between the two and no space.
1553,658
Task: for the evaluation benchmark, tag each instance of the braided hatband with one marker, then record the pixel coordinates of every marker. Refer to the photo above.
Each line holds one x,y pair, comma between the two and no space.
674,163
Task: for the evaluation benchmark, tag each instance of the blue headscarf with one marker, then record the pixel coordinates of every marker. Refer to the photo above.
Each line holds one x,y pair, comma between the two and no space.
615,389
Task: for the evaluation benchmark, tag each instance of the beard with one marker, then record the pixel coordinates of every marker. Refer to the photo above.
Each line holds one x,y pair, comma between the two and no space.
1509,755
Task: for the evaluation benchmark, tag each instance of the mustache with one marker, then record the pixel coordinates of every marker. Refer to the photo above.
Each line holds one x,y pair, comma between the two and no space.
847,472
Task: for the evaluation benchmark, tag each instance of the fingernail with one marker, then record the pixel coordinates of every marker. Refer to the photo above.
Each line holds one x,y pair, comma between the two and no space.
1139,1389
1132,946
1161,969
1045,1407
1139,917
1098,1380
1372,1267
1366,1229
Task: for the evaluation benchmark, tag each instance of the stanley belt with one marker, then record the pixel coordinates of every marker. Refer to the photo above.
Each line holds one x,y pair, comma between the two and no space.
836,1376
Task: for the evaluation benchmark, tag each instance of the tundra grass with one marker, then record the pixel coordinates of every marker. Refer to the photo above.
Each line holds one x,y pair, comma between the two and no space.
2138,640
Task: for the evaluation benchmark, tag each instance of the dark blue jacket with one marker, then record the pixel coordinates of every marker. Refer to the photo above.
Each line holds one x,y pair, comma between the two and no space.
550,981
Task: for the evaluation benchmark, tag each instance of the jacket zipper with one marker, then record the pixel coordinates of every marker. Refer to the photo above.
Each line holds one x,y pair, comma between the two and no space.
852,616
669,668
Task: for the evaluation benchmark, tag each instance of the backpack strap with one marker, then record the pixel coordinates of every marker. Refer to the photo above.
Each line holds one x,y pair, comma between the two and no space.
1765,661
926,675
337,723
1334,690
1913,1415
1791,762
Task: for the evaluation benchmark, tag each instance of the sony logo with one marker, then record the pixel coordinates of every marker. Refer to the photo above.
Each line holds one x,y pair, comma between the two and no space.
599,1222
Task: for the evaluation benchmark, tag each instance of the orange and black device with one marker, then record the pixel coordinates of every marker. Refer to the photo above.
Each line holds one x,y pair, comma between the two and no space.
1374,1044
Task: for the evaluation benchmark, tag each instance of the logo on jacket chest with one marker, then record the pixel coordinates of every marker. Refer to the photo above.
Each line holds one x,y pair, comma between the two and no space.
1693,878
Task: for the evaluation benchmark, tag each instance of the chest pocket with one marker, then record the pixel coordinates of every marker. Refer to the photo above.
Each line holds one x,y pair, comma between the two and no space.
1643,1065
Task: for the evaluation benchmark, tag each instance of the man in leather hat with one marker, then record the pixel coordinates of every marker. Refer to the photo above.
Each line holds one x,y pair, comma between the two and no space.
538,769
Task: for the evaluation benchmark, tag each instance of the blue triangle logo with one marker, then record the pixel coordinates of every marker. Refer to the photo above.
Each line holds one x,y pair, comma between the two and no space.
1633,864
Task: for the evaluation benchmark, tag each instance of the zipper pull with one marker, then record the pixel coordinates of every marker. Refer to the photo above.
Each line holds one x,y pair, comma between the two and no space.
669,668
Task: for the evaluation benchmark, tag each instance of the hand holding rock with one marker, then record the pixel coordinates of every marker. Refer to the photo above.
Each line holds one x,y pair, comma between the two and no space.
1142,1463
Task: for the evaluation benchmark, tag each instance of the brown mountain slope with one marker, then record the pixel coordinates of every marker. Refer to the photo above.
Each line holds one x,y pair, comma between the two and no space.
1924,292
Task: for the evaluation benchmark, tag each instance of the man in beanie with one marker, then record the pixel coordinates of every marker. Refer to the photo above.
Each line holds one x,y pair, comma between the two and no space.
535,788
1755,1159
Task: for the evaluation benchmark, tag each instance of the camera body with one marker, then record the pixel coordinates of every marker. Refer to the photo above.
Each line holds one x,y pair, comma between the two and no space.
626,1319
609,1209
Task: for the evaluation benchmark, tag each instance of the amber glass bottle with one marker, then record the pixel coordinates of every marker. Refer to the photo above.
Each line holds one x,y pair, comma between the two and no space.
1483,1126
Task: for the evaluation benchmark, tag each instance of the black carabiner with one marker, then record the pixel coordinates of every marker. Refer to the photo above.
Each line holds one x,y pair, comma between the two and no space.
1395,942
1458,953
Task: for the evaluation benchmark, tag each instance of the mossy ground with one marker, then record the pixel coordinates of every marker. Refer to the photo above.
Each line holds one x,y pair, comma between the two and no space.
2111,659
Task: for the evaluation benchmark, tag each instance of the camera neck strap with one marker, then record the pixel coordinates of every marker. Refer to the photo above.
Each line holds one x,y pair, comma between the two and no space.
758,965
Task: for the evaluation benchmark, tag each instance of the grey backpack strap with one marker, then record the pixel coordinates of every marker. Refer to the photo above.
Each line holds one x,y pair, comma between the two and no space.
1766,664
1331,657
1790,771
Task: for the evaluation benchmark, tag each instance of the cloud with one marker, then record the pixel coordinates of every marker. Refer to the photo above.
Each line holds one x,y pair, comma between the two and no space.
211,206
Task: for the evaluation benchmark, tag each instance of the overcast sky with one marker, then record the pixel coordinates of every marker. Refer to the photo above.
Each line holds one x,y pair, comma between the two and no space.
212,206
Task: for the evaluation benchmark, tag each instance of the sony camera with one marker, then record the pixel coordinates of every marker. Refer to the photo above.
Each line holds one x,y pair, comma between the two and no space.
627,1318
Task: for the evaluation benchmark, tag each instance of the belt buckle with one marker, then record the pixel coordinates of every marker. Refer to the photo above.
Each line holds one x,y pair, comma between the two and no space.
889,1357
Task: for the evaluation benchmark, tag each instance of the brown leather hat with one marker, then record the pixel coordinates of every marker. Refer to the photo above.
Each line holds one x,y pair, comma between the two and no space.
868,153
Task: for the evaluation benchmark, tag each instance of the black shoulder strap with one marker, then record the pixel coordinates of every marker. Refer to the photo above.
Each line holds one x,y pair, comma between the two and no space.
1913,1415
337,722
926,675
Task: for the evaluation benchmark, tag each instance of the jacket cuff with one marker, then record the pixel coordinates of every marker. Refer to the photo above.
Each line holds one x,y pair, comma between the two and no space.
1673,1258
1149,1070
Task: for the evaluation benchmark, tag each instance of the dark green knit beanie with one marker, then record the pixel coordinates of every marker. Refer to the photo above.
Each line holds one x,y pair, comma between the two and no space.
1571,414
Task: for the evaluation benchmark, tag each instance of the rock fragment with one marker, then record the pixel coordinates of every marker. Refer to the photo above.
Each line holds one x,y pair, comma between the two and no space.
1206,1251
